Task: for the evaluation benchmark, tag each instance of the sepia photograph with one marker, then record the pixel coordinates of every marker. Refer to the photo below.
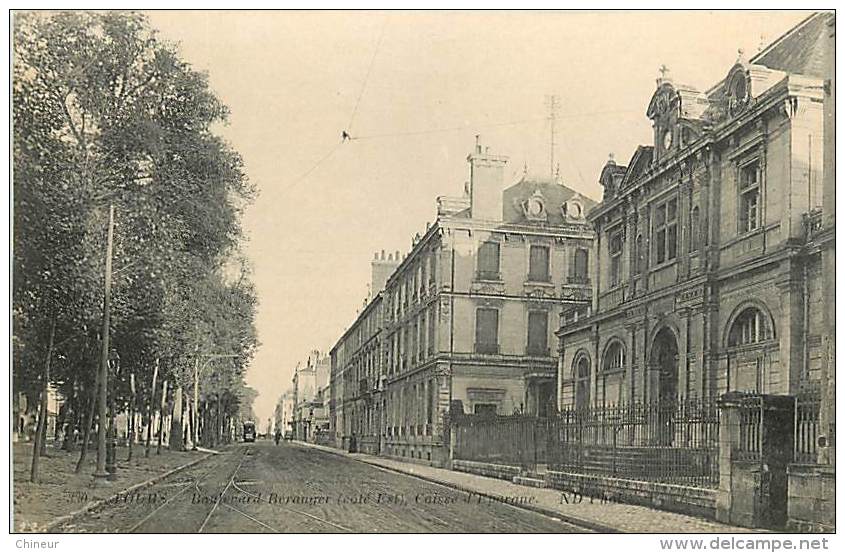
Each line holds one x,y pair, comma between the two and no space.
423,272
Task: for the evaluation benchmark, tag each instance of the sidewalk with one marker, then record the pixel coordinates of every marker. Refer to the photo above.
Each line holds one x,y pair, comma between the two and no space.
600,517
61,492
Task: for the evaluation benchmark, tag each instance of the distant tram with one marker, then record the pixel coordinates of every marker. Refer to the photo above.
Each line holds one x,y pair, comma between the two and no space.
249,431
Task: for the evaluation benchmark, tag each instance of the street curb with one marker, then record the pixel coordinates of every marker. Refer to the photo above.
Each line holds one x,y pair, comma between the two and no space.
585,523
94,505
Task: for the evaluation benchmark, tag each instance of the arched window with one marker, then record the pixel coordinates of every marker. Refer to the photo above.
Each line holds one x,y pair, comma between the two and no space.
614,357
750,327
639,255
582,382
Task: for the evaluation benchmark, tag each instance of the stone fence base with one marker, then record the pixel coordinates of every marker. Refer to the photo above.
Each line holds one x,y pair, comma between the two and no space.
668,497
812,499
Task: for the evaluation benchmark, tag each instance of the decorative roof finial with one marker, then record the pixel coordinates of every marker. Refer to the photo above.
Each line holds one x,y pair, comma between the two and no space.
664,73
524,168
610,158
558,179
740,55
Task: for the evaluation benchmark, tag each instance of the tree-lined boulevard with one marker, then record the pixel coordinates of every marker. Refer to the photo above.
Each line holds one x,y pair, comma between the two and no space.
127,272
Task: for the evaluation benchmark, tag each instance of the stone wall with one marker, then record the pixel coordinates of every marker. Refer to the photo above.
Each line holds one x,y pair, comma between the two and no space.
669,497
812,499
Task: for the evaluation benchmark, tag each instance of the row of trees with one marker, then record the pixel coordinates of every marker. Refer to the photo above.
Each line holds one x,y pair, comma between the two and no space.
108,118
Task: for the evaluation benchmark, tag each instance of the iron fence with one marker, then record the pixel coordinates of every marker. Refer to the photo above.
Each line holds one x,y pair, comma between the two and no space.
807,408
672,442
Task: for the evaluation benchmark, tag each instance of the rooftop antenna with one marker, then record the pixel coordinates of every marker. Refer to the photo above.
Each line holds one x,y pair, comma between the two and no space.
553,103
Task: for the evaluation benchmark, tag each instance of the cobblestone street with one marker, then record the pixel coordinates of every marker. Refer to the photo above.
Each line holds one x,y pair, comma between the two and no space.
288,488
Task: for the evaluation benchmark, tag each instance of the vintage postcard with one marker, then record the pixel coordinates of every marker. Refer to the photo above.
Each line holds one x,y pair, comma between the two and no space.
510,272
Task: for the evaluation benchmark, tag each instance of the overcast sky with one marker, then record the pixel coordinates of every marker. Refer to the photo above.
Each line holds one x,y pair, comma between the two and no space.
293,80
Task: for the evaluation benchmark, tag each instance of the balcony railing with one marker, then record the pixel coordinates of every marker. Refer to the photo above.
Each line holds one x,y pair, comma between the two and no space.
614,297
537,351
488,275
487,349
812,223
577,279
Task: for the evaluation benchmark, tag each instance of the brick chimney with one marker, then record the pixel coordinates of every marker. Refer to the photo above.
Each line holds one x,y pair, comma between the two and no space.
486,183
382,268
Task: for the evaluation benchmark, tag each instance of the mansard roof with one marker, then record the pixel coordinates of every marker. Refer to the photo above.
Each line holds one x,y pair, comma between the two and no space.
554,194
799,50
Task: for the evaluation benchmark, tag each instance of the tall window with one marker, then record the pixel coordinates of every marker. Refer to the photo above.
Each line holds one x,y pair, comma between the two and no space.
432,319
615,251
432,269
423,327
414,340
487,330
538,264
666,231
582,382
749,197
538,333
639,255
579,271
488,261
695,230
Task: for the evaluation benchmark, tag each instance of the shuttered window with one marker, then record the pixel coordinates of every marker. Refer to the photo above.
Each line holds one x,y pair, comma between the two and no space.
538,264
538,332
487,330
488,261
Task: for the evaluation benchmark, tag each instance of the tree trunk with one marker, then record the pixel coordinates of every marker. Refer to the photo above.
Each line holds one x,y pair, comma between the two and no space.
39,448
176,443
150,410
89,422
161,416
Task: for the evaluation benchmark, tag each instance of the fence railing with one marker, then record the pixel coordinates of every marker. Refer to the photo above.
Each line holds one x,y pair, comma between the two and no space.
673,442
807,409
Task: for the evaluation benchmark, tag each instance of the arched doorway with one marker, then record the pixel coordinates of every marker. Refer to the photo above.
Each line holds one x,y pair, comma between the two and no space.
664,359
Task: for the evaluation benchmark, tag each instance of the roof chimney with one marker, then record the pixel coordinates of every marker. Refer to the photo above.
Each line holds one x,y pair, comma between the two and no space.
486,182
381,270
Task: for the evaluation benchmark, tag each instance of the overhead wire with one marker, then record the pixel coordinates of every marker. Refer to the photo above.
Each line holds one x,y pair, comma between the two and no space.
488,125
313,167
367,76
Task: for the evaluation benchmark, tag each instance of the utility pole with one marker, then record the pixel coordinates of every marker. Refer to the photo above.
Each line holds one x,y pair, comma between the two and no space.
195,411
131,432
101,473
553,103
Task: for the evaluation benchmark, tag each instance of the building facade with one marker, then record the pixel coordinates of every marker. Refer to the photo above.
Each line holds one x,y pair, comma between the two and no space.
357,361
308,379
706,276
465,320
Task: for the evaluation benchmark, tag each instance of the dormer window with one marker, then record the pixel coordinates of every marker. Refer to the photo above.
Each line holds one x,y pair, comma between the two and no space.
534,207
572,209
737,92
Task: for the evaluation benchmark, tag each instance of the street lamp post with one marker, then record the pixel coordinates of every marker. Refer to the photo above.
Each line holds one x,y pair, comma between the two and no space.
101,473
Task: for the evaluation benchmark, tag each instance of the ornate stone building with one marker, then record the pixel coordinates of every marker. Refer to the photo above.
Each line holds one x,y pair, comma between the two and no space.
708,276
467,316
